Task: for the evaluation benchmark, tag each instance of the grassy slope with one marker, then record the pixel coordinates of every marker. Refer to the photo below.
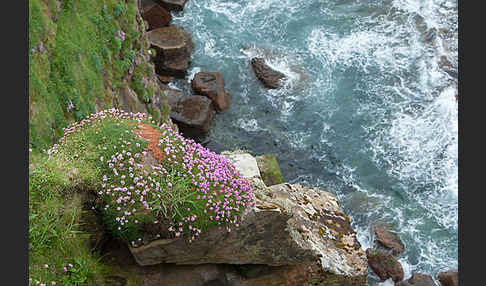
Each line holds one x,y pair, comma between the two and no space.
75,57
78,60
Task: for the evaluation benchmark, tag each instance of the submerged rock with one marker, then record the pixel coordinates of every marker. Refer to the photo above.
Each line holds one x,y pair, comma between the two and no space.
193,115
389,240
384,265
449,278
211,84
269,169
417,279
155,15
300,231
174,47
270,78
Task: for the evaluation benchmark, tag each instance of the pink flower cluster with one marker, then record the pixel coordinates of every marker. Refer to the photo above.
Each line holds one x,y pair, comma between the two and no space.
121,34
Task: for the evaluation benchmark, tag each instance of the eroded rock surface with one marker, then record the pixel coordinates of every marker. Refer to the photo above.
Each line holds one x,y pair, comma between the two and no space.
211,84
384,265
155,15
193,115
174,47
389,240
298,234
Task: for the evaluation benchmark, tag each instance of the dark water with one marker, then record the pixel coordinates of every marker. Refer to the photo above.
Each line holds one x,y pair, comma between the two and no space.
367,111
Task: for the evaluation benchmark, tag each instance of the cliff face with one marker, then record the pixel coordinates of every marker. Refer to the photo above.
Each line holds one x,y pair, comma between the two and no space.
86,56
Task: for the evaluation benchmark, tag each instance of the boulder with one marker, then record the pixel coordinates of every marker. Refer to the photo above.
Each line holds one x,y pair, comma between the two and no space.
299,236
173,47
193,115
269,169
417,279
270,78
384,265
449,278
172,5
155,15
211,84
389,240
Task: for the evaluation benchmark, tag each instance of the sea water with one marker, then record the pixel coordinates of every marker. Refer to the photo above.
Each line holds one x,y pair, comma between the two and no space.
367,111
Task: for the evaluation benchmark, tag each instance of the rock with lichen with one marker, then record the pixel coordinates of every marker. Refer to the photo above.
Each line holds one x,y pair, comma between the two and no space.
270,169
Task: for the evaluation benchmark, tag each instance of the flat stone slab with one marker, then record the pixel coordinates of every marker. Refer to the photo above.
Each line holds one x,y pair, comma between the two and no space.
245,163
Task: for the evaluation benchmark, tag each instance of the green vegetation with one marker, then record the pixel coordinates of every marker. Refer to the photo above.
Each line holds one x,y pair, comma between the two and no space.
190,191
79,56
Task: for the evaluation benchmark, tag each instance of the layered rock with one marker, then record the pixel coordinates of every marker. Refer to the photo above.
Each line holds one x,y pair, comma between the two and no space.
193,115
389,240
174,46
172,5
417,279
211,84
299,236
449,278
269,77
155,15
384,265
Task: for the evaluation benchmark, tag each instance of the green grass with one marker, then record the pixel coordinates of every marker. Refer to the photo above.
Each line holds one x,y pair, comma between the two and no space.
82,64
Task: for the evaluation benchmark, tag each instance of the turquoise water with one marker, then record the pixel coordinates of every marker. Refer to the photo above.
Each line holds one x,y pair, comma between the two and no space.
366,112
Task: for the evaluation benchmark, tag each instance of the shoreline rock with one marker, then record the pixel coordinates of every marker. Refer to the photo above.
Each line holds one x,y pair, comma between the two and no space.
193,115
172,5
174,47
417,279
302,230
389,240
154,14
211,84
384,265
270,169
448,278
270,78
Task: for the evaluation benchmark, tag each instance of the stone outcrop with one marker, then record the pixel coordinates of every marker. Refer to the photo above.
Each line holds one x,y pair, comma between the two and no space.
384,265
193,115
389,240
172,5
174,47
128,100
155,15
417,279
270,78
211,84
298,235
449,278
269,169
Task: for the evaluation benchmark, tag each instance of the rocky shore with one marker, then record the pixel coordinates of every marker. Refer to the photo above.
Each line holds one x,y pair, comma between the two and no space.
295,235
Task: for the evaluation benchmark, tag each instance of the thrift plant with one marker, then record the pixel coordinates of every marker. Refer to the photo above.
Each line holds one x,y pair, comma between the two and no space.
187,191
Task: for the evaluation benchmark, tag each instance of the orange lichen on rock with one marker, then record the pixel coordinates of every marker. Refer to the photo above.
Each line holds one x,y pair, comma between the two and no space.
152,135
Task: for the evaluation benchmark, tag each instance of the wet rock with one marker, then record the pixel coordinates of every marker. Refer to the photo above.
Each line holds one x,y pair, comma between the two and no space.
269,169
389,240
193,115
384,265
155,15
172,5
270,78
211,84
417,279
449,278
173,47
302,231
